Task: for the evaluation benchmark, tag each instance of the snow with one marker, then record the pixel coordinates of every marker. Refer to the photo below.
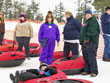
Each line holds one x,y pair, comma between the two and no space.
103,76
104,67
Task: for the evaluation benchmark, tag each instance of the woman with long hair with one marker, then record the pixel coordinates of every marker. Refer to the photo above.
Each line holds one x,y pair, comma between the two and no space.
48,34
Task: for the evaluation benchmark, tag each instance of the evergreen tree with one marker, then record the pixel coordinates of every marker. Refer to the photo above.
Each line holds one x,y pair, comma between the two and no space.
1,4
59,12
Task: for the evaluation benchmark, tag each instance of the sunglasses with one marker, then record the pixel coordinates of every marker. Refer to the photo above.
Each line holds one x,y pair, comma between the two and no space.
49,17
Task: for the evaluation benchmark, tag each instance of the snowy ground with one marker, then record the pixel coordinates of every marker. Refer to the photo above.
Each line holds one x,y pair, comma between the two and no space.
104,67
103,77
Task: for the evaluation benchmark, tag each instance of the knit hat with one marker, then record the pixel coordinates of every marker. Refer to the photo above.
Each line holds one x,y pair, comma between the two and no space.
23,15
43,64
94,12
88,12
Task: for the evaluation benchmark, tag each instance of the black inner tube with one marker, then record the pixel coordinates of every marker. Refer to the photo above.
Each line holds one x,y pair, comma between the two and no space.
67,81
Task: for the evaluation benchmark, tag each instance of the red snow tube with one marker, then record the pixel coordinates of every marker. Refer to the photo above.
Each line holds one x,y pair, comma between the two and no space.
11,59
6,41
69,66
34,51
59,54
59,75
70,81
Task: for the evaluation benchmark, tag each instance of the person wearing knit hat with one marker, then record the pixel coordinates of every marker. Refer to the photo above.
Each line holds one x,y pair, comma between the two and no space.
23,32
2,27
24,75
89,39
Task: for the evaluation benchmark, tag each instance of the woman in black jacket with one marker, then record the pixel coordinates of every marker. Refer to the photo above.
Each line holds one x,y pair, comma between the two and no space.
71,35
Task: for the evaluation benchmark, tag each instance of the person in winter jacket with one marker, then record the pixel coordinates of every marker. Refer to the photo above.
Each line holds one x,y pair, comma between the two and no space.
48,34
89,39
105,22
23,32
2,27
24,75
71,35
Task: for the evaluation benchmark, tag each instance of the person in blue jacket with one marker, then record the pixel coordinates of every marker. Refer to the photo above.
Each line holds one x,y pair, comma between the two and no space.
105,21
71,35
48,34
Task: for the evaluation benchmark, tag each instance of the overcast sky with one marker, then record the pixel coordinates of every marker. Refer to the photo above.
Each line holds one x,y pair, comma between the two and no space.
46,5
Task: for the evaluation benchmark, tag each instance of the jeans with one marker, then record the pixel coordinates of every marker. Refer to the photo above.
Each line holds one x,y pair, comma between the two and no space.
106,54
23,41
70,47
89,51
1,37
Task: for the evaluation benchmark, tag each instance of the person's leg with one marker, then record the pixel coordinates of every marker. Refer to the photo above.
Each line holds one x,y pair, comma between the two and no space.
107,47
85,57
92,53
26,41
26,76
43,55
20,43
66,49
74,48
50,51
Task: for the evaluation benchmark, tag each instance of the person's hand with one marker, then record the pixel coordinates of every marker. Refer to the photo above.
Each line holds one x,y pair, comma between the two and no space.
86,41
58,44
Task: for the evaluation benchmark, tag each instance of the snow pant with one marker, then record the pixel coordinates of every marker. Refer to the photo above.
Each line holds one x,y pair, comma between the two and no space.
1,37
29,74
89,51
106,54
73,47
24,41
47,53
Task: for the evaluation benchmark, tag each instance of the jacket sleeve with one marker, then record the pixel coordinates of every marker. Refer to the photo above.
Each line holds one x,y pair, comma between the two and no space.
41,32
79,25
31,30
91,31
58,35
105,19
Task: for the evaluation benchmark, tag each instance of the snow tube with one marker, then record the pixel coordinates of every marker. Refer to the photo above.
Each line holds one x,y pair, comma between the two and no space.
68,66
59,54
6,41
34,51
59,75
11,59
70,81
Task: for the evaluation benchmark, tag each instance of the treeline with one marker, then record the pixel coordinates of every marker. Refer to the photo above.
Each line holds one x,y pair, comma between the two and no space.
13,8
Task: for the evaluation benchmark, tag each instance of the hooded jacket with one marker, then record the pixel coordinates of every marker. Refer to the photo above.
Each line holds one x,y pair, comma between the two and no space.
105,21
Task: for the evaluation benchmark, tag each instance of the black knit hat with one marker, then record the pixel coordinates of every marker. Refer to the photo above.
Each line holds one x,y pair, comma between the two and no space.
88,12
107,8
43,64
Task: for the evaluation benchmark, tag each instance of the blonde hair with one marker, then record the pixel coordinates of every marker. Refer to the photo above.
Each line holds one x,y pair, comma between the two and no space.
69,13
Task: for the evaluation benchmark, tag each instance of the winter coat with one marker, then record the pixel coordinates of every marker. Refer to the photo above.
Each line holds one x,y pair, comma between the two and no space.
90,31
2,25
23,30
72,29
105,21
49,31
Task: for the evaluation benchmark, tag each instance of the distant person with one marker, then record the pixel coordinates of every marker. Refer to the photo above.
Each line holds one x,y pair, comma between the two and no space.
48,34
23,32
105,21
2,27
71,36
89,39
